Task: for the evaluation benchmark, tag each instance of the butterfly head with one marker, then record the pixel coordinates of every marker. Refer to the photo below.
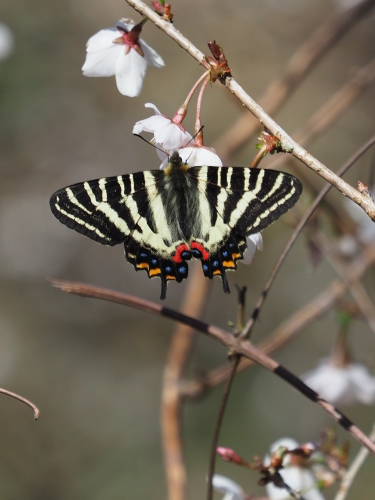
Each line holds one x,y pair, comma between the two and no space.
175,164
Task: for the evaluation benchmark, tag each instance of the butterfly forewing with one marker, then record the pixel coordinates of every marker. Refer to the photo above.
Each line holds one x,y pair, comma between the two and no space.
166,217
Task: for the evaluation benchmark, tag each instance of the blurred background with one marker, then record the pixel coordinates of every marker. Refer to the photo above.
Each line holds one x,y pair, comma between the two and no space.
95,369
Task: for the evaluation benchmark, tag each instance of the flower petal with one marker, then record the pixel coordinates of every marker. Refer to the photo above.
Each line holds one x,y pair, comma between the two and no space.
152,106
196,157
151,56
102,40
103,62
363,382
151,124
254,242
172,137
130,72
225,485
331,383
298,478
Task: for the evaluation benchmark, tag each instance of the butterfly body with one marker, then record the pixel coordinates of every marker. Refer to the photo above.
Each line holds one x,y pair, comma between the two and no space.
166,217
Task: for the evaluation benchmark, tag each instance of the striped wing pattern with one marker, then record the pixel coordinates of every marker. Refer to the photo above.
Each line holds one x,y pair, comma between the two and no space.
164,218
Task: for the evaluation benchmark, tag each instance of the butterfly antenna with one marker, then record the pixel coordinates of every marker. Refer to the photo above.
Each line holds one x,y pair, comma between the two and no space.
152,142
193,138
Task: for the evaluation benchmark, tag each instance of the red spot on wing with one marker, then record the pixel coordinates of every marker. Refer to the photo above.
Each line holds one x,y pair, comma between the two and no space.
200,247
181,248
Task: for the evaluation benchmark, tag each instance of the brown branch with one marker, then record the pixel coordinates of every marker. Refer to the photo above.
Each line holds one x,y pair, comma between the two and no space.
296,69
235,358
353,470
288,144
246,333
172,398
23,400
357,290
329,113
244,348
319,306
258,307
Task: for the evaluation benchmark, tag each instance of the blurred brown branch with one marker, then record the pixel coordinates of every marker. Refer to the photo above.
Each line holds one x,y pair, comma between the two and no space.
296,69
312,311
353,470
172,398
244,348
287,143
324,117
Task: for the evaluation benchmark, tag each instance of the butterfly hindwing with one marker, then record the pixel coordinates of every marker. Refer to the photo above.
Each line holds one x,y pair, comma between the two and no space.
164,218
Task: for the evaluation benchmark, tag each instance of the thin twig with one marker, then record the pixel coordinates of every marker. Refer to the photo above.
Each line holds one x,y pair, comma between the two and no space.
23,400
246,333
357,290
288,144
219,421
172,397
284,333
353,470
331,110
296,69
235,358
244,348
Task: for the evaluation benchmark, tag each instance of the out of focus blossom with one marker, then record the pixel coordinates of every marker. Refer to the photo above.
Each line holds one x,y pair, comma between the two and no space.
120,52
342,385
169,134
254,242
365,233
299,478
231,490
6,41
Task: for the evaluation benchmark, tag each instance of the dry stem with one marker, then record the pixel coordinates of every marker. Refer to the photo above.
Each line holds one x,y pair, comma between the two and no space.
244,348
288,144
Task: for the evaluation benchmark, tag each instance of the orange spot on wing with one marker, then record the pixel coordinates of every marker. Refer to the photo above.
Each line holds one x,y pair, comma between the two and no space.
154,272
229,263
170,277
216,272
143,265
236,256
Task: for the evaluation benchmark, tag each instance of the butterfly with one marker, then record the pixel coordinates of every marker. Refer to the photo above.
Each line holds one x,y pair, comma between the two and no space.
166,217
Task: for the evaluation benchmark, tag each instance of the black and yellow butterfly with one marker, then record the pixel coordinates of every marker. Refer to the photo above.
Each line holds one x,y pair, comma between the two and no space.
166,217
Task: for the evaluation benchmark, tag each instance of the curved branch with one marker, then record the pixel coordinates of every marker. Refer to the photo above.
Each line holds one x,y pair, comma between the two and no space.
288,144
232,343
23,400
296,69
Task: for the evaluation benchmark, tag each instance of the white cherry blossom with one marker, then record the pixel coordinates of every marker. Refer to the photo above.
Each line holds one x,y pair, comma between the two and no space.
168,134
120,52
254,242
299,479
344,385
231,490
197,156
